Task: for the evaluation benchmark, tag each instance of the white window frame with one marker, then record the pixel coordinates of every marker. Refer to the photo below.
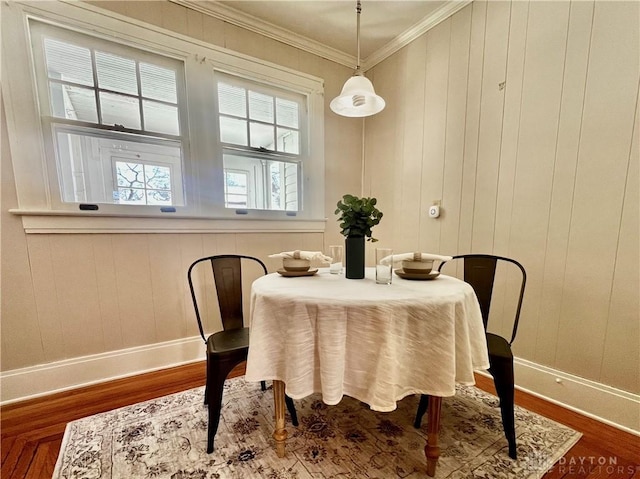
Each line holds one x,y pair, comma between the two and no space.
204,210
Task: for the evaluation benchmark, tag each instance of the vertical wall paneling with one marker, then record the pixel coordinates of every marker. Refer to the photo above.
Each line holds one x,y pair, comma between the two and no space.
512,88
564,173
435,121
166,284
17,295
621,358
135,297
558,135
212,30
546,176
455,131
195,24
174,17
501,314
191,247
74,274
386,149
611,86
408,166
537,139
113,328
472,124
491,110
51,319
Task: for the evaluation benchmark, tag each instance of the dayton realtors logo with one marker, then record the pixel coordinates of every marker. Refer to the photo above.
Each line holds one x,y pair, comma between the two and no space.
581,466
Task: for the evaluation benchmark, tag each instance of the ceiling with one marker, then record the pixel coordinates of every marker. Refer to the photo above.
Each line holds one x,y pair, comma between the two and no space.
328,27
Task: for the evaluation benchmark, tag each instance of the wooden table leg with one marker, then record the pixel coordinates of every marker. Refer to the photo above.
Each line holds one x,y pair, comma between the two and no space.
280,434
432,450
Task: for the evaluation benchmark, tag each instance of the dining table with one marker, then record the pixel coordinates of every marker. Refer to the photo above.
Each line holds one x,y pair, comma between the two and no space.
377,343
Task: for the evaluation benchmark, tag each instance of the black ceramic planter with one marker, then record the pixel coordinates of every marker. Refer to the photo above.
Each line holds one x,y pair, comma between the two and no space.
354,257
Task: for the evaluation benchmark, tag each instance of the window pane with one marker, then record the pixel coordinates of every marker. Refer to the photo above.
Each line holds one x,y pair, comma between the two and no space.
270,184
143,183
131,196
130,174
232,100
156,197
68,62
158,83
288,141
262,136
233,131
260,107
116,73
120,110
102,168
157,177
286,113
160,117
73,103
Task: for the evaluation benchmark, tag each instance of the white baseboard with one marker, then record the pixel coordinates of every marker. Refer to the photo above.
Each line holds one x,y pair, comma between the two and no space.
604,403
27,383
620,409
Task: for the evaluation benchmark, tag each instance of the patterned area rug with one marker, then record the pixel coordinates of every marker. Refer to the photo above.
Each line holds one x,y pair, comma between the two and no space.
166,438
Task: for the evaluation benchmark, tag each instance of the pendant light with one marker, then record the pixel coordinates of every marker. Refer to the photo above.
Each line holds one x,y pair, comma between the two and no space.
357,98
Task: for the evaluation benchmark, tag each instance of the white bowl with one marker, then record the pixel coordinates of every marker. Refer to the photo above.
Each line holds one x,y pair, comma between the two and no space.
293,264
417,267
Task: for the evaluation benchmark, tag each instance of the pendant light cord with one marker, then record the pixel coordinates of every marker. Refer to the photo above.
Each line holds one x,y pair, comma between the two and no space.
358,11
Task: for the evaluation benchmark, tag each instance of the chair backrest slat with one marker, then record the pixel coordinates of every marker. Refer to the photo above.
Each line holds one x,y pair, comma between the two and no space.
227,277
227,274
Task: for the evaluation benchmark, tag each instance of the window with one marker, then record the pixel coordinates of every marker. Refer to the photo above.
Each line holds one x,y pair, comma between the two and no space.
99,100
137,123
260,136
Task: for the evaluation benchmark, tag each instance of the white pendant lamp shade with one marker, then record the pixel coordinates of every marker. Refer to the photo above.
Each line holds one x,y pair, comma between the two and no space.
357,99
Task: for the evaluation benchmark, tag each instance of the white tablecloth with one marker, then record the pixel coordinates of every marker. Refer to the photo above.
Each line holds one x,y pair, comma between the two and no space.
376,343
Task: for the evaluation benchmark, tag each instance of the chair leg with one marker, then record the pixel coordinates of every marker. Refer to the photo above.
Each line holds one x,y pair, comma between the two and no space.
292,410
422,408
206,383
502,373
216,377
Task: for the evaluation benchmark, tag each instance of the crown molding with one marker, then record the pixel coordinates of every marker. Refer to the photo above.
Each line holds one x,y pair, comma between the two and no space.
420,28
257,25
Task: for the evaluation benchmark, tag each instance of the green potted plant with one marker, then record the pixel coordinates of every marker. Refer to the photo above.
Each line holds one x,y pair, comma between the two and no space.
357,217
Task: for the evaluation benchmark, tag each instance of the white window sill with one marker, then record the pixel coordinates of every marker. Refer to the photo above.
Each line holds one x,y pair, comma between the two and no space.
44,221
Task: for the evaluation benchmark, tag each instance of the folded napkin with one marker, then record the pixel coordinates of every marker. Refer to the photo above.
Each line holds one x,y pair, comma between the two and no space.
396,258
298,254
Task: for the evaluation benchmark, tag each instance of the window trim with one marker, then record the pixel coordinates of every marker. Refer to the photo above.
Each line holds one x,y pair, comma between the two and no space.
32,169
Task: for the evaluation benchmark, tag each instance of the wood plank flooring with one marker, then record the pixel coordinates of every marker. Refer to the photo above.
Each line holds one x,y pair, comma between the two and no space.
32,430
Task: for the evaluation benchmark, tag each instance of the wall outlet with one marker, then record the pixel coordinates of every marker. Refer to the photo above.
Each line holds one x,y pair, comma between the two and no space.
434,211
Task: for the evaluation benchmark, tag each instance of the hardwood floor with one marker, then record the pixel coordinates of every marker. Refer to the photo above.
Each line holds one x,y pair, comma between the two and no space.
32,430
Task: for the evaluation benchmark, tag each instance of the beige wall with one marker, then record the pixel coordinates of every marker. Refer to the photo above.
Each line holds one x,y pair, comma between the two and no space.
542,168
65,296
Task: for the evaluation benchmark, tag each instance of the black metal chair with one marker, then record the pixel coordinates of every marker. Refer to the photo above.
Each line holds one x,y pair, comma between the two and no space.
480,272
229,347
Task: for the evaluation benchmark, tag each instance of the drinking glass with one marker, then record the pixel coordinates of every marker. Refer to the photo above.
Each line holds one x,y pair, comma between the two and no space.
336,252
384,265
